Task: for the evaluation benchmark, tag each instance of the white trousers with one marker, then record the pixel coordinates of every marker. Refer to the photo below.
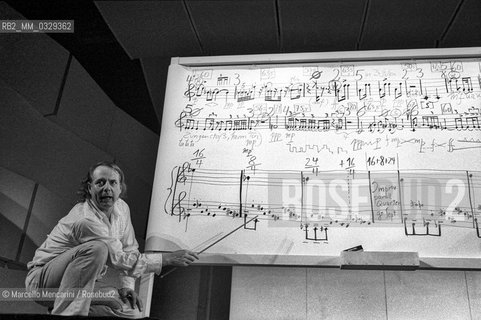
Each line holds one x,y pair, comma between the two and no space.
72,275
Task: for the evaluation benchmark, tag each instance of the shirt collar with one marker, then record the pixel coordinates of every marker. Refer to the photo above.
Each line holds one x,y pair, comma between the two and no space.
99,213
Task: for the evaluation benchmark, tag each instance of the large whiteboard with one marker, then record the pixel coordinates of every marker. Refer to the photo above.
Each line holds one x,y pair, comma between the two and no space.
306,155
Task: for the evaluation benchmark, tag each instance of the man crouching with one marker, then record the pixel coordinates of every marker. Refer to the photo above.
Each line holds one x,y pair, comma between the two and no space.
95,234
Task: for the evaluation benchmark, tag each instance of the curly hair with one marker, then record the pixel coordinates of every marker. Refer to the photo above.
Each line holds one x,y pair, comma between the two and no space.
83,191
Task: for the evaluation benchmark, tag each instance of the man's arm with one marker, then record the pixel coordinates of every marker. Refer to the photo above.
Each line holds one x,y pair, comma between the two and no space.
130,244
180,258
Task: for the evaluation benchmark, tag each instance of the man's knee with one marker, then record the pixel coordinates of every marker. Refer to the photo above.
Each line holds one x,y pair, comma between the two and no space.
96,249
89,231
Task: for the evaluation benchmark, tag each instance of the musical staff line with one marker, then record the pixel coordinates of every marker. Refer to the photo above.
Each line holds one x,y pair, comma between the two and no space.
372,124
343,89
388,197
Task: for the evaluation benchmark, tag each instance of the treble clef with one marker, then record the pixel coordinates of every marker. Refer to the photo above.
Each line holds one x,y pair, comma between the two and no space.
177,205
189,93
188,111
178,123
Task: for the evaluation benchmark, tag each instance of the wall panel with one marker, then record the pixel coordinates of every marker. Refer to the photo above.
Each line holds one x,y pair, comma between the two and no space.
85,109
426,294
268,293
134,145
33,64
345,294
41,150
473,283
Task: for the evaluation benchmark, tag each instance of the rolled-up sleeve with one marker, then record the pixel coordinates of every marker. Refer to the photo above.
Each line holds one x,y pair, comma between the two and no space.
146,263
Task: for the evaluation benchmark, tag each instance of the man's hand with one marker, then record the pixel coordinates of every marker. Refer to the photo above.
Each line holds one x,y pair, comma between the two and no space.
130,295
181,258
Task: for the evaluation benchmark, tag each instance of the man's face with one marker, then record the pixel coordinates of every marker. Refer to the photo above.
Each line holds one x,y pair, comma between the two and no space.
105,188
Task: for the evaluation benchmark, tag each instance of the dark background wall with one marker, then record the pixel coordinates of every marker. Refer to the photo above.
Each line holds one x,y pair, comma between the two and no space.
56,121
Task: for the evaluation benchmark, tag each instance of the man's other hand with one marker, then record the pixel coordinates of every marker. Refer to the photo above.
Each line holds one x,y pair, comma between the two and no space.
130,295
180,258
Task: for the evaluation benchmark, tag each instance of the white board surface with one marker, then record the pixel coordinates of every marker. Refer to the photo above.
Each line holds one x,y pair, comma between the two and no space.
311,158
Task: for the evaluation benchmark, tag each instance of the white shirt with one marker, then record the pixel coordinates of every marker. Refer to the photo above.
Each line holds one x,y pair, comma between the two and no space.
117,233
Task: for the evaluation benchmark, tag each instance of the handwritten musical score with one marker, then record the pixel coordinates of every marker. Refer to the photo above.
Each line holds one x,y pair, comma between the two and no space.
369,124
328,198
324,155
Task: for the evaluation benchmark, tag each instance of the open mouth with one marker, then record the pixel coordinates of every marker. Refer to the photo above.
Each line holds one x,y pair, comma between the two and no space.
106,198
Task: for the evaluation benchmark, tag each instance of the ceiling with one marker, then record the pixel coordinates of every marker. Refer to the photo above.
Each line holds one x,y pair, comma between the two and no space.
126,46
